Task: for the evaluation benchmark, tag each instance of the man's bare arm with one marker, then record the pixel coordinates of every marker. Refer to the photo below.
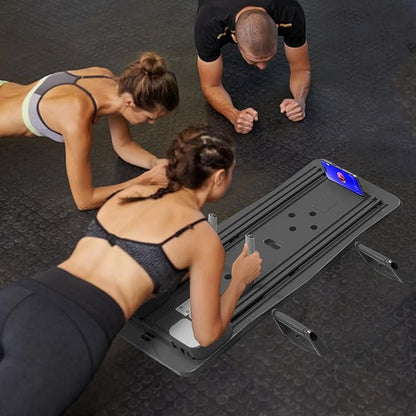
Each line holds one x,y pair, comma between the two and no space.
299,83
210,75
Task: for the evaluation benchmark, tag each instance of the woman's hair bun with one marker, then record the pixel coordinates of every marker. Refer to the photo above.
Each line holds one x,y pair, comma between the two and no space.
150,83
153,64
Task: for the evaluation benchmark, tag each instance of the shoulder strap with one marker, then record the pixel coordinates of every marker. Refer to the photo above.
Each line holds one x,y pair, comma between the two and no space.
87,92
95,76
183,229
92,100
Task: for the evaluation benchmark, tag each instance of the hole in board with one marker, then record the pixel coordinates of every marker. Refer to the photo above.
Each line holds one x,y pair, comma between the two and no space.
312,213
271,243
292,228
292,214
313,336
314,227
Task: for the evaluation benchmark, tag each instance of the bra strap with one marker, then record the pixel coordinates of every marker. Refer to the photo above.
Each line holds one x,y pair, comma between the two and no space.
182,230
95,76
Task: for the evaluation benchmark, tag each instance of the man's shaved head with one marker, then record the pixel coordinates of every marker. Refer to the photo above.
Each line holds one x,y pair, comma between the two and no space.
256,33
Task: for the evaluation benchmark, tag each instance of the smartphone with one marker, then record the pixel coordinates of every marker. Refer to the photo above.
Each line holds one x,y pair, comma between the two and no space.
342,177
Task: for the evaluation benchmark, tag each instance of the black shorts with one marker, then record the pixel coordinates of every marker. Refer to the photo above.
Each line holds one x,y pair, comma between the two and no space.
55,330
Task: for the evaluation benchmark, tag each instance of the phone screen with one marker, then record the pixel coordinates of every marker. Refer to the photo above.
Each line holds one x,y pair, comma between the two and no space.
342,177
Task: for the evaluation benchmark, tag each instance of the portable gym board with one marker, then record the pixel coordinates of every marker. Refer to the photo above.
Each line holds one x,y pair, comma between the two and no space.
299,228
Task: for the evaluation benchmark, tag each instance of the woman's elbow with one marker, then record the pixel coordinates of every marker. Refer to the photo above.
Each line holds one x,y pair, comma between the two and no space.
84,204
120,152
206,338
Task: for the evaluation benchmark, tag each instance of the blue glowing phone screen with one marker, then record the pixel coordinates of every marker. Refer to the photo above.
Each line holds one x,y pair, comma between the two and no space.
342,177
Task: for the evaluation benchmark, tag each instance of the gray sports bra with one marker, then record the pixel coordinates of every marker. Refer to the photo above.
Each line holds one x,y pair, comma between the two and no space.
30,108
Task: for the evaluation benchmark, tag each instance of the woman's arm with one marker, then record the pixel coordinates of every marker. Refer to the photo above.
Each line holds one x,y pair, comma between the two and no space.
212,312
125,147
77,136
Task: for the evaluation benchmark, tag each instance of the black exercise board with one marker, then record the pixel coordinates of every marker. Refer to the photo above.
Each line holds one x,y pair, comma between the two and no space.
299,227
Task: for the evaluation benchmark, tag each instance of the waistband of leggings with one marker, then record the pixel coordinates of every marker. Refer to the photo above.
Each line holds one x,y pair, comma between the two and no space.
101,307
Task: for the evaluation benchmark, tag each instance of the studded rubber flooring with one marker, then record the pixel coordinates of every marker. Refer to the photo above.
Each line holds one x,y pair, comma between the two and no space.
361,114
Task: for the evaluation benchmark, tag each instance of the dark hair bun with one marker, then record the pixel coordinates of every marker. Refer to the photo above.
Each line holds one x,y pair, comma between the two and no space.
153,64
150,83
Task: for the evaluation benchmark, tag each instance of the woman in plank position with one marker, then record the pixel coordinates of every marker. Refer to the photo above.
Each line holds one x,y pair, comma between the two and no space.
56,327
63,106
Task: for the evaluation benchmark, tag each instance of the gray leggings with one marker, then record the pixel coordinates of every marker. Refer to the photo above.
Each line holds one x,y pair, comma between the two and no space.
55,330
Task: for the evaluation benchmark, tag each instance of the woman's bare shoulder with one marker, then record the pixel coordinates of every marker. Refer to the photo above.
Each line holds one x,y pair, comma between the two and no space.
137,190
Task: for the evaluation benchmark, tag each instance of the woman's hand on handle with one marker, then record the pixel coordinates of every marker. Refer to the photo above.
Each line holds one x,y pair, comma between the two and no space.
246,267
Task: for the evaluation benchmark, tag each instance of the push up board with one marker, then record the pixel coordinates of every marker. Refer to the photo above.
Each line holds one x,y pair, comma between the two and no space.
299,228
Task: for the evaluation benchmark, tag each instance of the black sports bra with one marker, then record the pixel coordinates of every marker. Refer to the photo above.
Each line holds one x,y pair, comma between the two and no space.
150,256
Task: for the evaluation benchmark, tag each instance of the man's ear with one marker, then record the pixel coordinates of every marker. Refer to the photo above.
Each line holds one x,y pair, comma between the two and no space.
234,38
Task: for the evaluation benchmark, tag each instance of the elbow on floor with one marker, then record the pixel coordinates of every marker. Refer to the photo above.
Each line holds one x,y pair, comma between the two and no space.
84,204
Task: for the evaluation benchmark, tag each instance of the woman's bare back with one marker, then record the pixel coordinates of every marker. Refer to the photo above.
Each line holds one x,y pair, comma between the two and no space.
12,96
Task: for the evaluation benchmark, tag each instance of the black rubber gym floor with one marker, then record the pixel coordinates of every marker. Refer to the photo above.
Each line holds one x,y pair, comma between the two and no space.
361,115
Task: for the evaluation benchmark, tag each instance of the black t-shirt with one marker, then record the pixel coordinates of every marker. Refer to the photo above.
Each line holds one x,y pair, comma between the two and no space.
215,22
